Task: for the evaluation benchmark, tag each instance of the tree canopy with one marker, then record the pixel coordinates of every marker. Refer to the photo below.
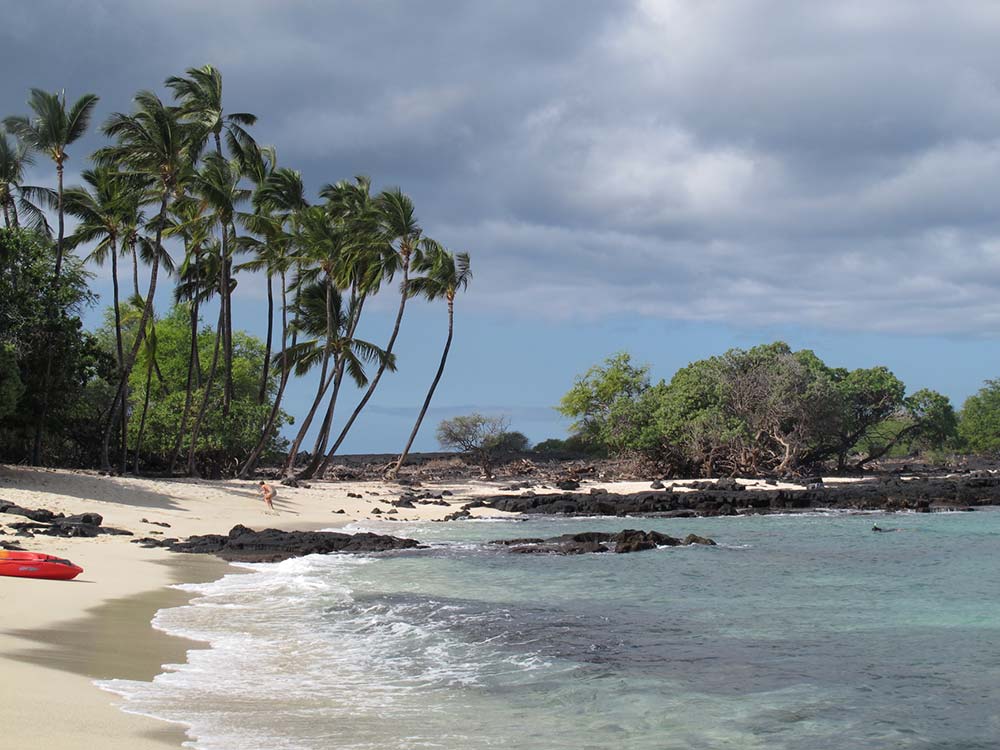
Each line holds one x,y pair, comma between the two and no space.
182,172
767,409
979,427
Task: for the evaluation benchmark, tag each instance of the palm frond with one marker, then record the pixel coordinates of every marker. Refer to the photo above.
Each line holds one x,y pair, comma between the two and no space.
78,119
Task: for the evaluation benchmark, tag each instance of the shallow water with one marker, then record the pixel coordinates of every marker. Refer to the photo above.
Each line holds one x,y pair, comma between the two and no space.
796,632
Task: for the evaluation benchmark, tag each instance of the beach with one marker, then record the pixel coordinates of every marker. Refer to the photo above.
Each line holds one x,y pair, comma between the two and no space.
57,637
461,644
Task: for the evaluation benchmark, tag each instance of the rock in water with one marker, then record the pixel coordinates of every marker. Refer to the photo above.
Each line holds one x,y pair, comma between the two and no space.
273,545
625,541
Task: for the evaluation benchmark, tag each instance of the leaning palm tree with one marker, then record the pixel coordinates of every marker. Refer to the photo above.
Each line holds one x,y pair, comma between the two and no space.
322,309
357,265
151,142
50,131
445,273
104,209
200,98
195,284
403,235
278,201
18,200
320,250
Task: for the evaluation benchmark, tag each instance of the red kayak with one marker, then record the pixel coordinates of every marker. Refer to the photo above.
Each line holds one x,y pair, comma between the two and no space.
36,565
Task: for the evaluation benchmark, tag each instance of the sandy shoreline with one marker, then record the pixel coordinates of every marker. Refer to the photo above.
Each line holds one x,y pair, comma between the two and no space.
57,637
50,663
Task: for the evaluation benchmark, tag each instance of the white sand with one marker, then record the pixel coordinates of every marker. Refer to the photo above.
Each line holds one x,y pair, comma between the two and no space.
46,696
98,626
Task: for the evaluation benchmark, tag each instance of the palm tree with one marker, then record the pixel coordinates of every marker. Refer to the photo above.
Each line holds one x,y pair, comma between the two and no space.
52,129
197,282
106,210
16,198
355,265
200,99
199,96
149,353
257,163
217,183
403,234
210,280
343,238
445,273
280,198
322,311
151,142
320,244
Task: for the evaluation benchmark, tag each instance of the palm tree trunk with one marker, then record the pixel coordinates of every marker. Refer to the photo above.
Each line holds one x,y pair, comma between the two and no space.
219,342
324,385
323,382
6,214
251,462
142,419
36,449
319,449
120,346
62,222
378,375
430,394
196,302
324,430
227,328
262,394
196,428
227,399
193,366
147,313
135,269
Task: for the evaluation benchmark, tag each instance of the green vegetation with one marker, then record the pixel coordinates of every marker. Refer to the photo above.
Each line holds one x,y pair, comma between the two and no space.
979,426
763,410
481,438
51,369
168,393
574,445
155,391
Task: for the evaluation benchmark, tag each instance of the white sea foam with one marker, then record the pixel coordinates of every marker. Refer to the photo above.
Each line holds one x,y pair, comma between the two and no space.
290,643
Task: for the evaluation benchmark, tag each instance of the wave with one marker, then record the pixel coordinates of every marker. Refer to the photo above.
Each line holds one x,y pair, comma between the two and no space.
311,637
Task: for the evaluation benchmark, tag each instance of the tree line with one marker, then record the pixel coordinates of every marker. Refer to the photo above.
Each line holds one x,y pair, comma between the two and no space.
769,410
165,390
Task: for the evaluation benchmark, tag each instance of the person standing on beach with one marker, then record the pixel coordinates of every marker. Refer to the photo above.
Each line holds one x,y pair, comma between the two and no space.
268,492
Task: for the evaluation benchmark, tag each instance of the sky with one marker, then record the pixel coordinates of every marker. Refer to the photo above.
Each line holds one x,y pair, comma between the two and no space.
664,177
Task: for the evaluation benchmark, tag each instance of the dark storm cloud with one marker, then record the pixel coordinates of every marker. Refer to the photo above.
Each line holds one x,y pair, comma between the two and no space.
750,161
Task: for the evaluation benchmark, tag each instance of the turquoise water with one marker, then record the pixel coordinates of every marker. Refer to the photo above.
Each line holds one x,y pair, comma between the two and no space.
796,632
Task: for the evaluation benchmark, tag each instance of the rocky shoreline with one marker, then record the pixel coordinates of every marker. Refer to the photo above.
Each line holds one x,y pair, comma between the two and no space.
727,497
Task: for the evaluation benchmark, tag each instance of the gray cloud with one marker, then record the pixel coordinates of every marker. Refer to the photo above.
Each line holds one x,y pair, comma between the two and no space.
749,162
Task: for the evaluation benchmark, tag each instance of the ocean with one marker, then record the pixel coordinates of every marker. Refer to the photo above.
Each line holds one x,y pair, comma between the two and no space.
796,632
